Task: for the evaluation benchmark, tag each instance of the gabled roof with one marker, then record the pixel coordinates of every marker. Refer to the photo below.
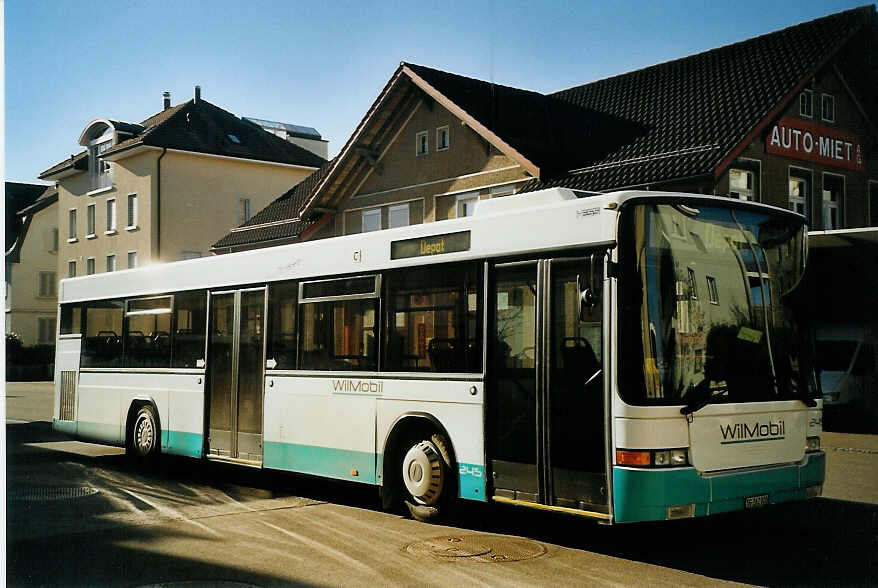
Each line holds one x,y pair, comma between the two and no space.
685,118
409,85
700,111
202,127
281,219
19,196
22,194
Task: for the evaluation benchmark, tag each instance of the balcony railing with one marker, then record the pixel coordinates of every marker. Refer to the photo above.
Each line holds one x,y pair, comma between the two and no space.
103,179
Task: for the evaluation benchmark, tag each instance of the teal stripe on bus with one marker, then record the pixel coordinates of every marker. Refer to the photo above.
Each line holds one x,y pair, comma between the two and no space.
645,494
321,461
173,442
471,481
182,443
99,432
67,427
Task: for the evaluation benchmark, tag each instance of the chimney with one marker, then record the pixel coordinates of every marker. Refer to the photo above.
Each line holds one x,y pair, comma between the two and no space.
167,100
197,94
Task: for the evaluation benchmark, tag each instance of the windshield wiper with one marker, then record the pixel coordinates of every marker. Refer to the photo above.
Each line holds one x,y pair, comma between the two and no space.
695,406
788,389
702,396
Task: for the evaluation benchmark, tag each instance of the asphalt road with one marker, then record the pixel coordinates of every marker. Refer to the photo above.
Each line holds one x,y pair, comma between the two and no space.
80,514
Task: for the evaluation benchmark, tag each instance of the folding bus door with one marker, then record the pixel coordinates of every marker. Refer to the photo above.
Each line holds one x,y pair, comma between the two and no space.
546,418
236,369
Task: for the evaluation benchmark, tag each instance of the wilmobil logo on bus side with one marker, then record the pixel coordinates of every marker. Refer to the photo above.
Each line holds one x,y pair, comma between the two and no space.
363,386
747,433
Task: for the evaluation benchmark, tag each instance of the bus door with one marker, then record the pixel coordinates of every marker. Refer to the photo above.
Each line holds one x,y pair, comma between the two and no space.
236,367
546,405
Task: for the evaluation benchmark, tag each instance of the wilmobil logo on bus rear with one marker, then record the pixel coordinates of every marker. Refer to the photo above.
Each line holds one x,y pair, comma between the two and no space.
727,441
757,431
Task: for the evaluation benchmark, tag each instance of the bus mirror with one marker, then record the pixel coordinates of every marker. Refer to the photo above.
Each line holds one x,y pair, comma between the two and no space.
588,286
586,304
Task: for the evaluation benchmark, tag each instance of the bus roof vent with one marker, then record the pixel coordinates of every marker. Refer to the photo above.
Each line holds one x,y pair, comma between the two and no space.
524,201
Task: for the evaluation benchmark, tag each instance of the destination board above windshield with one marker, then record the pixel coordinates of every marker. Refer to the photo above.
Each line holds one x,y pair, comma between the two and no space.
432,245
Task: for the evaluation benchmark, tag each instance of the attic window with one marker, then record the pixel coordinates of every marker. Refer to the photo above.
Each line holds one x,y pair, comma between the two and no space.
442,138
421,143
234,139
806,103
827,107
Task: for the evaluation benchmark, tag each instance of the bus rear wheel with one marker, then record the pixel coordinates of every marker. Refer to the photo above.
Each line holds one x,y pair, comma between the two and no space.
427,483
144,436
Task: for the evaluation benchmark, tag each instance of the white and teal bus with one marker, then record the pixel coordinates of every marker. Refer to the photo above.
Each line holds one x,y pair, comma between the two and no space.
630,356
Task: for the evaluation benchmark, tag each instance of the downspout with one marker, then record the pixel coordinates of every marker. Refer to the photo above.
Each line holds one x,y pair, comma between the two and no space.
158,205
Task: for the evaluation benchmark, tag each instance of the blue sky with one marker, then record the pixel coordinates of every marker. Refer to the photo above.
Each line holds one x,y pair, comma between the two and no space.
323,64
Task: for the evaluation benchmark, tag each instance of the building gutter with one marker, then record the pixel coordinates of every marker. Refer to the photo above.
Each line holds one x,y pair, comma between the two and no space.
134,150
648,185
158,205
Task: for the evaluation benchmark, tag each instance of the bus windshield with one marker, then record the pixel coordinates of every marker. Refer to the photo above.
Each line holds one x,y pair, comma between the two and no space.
708,306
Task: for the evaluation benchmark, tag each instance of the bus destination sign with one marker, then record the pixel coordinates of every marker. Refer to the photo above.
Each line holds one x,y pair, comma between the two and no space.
433,245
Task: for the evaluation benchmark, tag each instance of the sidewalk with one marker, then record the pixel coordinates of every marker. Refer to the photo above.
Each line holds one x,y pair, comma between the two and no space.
851,467
29,401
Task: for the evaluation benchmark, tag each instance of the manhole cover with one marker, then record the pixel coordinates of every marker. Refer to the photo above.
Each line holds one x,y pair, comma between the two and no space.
487,548
51,493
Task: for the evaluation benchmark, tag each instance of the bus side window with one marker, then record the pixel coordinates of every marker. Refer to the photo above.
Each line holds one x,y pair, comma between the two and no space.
434,319
338,329
190,328
148,332
102,346
71,319
282,306
339,335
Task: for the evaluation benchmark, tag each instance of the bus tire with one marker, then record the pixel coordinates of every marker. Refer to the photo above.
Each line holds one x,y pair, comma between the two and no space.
145,434
426,476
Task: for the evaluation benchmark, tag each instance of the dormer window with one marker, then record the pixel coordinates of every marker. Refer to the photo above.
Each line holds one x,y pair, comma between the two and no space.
99,171
98,137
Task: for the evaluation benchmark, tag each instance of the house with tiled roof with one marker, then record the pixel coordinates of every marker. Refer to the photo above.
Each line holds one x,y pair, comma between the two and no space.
168,187
31,262
788,118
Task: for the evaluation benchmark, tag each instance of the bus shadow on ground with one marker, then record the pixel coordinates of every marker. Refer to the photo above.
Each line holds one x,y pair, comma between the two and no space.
812,543
112,558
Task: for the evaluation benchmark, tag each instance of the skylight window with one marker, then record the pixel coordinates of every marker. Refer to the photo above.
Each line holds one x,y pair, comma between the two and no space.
234,139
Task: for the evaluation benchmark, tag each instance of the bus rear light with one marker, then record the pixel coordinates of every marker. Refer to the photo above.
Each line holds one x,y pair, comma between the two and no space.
660,458
633,458
679,457
681,511
812,444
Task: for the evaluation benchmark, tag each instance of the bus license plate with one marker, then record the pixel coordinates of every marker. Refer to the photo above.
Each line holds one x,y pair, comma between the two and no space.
756,501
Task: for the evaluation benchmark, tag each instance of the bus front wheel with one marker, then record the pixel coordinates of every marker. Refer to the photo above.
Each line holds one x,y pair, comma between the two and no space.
426,478
144,437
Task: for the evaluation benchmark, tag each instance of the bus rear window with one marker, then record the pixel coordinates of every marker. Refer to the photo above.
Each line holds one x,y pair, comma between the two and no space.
71,319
